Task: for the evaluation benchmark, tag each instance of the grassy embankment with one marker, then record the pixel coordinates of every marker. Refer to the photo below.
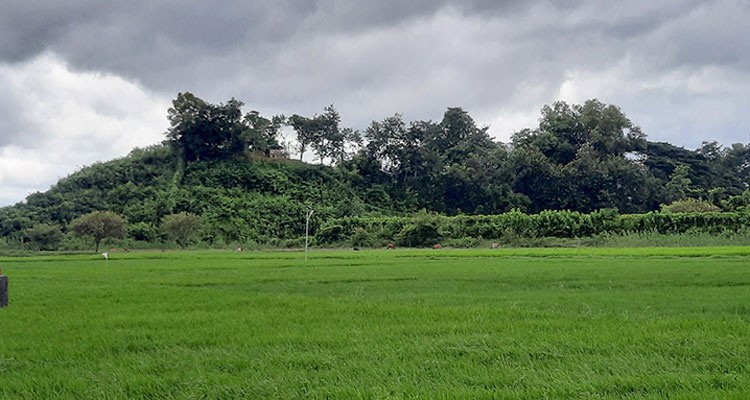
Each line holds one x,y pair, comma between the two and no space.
520,323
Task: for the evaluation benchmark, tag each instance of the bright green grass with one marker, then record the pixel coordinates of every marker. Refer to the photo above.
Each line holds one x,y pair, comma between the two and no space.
529,324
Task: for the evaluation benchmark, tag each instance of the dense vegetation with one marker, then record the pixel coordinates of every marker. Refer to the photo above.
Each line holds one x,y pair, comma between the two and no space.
405,324
430,229
215,165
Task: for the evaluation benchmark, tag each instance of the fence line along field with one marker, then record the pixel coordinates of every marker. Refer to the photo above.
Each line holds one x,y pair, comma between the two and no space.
529,324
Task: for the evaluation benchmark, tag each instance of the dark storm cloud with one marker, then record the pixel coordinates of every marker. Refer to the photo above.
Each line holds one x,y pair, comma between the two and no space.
146,40
375,58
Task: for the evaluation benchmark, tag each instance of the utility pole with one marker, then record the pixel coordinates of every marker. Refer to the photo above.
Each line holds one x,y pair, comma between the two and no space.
310,212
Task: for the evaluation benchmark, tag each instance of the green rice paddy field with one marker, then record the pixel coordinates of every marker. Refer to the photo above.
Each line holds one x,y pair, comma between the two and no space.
449,324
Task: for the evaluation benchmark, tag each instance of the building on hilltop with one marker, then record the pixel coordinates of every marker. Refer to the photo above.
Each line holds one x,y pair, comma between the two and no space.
277,152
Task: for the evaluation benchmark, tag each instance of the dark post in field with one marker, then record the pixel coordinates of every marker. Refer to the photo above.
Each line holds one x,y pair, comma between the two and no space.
3,291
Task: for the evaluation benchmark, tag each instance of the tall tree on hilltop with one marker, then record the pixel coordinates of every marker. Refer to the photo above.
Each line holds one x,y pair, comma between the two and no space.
329,140
204,131
260,133
459,137
324,135
307,131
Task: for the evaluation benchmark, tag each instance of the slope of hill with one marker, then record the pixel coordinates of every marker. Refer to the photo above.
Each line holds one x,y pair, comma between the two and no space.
240,199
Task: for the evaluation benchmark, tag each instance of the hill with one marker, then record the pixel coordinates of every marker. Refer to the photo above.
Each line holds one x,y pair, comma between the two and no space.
216,164
240,199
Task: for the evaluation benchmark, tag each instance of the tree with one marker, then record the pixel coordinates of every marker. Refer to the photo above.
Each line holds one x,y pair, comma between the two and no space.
324,135
307,132
679,185
707,166
183,227
44,236
459,137
329,139
261,133
384,140
99,225
583,157
204,131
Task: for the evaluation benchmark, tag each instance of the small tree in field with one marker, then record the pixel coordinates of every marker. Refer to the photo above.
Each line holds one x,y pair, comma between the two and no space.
44,236
99,225
182,227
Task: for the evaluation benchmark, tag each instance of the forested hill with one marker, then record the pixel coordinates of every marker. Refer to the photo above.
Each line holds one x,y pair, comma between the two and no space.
216,163
240,199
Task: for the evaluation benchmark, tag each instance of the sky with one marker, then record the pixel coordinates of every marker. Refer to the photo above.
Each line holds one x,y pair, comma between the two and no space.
83,81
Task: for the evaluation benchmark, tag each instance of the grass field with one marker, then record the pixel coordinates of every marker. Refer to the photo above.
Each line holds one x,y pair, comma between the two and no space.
527,324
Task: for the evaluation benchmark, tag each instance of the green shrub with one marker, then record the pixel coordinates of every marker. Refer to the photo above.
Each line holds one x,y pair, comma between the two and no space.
44,236
330,234
183,228
690,206
460,243
519,229
295,243
423,231
143,231
362,238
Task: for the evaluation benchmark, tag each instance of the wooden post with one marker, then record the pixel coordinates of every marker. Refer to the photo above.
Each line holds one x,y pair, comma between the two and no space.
3,291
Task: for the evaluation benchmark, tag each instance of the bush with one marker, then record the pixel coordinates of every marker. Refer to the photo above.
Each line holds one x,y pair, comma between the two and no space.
362,238
44,237
296,243
519,229
330,234
424,231
690,206
143,231
183,228
465,242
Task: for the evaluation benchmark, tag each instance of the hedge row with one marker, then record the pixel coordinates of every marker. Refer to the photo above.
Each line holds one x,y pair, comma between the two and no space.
427,228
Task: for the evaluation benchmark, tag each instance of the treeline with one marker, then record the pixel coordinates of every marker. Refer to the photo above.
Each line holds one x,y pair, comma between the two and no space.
580,157
215,164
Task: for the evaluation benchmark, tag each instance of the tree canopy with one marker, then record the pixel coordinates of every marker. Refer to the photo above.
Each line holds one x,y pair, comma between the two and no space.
99,225
203,131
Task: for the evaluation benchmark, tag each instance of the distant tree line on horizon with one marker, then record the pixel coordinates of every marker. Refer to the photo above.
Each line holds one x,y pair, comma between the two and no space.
580,157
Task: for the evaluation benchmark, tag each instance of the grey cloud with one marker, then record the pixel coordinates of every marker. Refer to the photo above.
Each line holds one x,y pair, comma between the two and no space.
138,39
375,58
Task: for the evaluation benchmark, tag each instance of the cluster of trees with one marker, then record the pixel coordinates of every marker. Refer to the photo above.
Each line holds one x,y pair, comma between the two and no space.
203,131
580,157
182,228
324,135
